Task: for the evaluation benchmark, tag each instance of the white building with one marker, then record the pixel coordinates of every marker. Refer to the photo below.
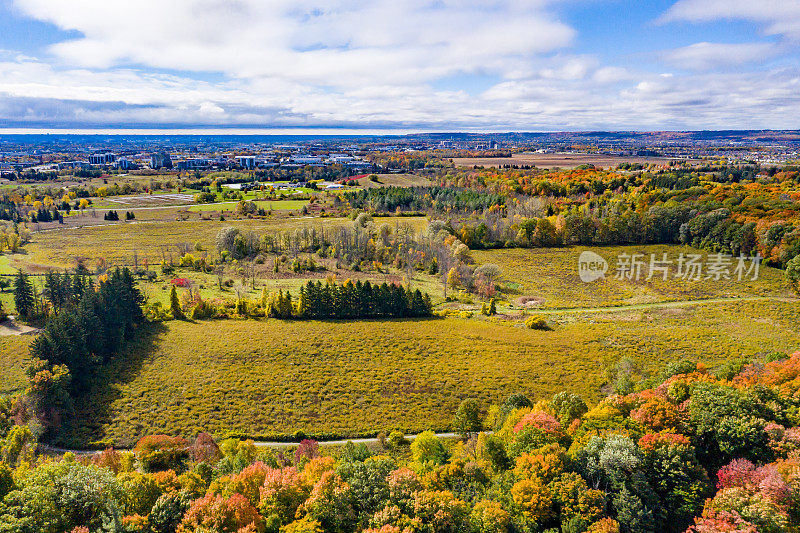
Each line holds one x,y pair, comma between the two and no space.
303,159
246,161
102,159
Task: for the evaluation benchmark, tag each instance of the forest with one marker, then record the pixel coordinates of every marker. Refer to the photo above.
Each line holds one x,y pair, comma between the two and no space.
729,210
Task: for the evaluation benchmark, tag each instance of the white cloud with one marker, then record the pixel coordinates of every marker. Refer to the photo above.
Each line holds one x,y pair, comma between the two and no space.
371,64
779,17
710,56
336,42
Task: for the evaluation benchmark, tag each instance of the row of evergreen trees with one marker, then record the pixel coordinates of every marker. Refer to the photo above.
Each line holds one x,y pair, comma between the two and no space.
47,215
351,300
60,290
89,324
114,216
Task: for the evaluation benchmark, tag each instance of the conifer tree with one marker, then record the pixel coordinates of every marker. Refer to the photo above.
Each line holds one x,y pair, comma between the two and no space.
175,304
23,295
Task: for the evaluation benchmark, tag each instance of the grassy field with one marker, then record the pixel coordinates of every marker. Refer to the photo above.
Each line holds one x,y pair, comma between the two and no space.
261,378
207,285
394,180
13,361
152,240
548,278
271,377
269,205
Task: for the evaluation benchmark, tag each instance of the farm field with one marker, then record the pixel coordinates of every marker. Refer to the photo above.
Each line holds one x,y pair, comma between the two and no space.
270,205
548,278
394,180
560,160
142,200
268,377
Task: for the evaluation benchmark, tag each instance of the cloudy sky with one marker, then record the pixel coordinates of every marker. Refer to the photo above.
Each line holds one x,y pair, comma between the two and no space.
490,65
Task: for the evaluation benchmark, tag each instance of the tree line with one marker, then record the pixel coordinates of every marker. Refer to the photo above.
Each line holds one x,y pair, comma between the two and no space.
437,198
350,300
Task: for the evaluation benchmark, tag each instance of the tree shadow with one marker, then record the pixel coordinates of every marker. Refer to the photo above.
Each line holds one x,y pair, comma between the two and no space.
93,408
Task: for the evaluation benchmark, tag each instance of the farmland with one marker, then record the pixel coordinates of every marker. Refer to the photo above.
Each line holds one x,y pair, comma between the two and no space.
558,160
264,377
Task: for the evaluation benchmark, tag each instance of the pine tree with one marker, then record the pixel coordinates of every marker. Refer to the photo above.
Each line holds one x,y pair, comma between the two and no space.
492,307
175,304
23,295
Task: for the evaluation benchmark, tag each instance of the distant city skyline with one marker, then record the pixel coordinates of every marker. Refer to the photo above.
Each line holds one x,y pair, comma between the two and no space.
382,67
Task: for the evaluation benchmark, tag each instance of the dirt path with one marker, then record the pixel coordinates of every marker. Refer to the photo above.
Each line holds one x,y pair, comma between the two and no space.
654,305
12,327
54,450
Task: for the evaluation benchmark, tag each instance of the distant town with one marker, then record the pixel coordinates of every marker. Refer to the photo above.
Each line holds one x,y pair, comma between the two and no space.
121,153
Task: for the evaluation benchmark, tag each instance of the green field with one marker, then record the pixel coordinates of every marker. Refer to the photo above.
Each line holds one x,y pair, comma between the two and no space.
549,276
266,377
13,361
269,205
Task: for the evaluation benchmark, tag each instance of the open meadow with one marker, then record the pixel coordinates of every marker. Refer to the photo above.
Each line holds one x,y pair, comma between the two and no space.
270,378
14,360
548,278
153,241
263,378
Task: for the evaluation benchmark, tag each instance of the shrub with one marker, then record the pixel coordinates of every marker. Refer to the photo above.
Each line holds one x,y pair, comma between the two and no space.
161,452
537,322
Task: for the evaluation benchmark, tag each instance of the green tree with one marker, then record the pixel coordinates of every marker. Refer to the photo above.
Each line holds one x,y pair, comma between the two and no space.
427,450
175,304
793,272
23,295
467,419
168,512
567,407
61,495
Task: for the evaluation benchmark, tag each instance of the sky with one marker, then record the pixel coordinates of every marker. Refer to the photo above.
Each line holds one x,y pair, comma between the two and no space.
401,65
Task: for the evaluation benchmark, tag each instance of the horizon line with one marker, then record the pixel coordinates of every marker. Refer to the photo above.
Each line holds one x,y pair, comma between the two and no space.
199,131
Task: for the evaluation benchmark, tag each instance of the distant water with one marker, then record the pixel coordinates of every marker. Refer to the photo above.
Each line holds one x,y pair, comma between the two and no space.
42,135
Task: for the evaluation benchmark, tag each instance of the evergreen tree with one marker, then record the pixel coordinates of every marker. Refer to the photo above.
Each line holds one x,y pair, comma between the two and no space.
175,304
23,295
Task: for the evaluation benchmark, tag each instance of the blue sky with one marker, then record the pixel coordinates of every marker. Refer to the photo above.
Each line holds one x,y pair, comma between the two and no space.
492,65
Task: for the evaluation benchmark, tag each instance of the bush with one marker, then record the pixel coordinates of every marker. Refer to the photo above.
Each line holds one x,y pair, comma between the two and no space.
162,452
537,322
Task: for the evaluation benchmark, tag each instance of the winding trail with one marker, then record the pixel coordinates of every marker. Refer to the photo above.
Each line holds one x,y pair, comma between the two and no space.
55,450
